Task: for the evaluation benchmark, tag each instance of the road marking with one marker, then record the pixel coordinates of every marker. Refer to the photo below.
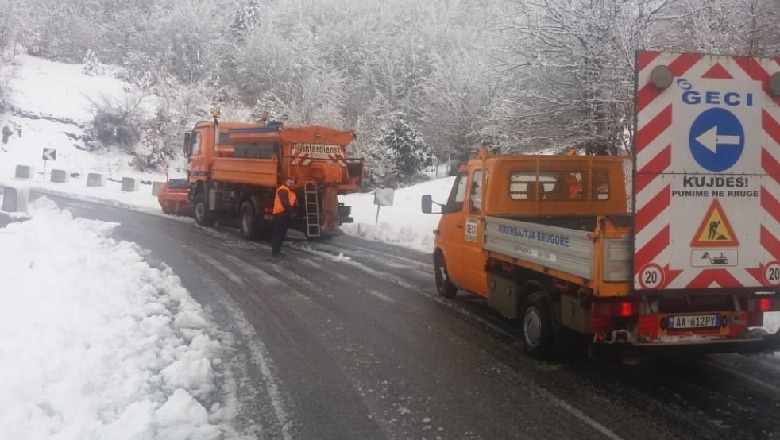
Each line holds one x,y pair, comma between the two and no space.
579,414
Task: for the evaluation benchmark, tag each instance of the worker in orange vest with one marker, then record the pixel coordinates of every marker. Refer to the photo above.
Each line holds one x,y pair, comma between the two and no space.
284,204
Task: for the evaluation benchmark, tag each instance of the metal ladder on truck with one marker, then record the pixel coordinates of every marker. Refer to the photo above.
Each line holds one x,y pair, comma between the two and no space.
312,200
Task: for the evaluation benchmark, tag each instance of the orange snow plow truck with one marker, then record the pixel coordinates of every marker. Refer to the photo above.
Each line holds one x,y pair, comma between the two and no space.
692,265
235,168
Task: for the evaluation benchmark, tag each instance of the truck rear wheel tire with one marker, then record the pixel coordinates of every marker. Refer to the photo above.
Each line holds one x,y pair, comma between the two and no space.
444,286
248,219
203,216
537,326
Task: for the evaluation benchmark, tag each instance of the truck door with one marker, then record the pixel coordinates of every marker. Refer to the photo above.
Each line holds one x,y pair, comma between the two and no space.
461,229
199,164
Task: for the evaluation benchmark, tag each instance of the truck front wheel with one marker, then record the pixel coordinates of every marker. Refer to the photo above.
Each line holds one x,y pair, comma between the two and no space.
444,286
537,326
203,216
248,221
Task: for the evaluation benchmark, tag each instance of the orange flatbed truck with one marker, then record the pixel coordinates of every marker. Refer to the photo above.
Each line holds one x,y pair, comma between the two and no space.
235,167
553,243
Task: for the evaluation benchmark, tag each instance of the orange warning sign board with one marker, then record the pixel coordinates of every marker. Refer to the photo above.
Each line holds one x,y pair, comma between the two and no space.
715,229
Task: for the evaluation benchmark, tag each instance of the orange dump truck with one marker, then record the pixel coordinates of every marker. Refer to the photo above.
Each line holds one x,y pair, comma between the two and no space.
693,265
235,168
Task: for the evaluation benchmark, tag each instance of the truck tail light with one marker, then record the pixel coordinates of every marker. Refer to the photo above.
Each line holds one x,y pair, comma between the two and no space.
764,304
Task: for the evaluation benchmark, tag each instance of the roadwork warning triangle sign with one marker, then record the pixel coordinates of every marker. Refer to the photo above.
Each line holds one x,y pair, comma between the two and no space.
715,229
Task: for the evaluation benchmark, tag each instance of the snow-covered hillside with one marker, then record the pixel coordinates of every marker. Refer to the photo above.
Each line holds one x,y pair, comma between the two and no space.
50,106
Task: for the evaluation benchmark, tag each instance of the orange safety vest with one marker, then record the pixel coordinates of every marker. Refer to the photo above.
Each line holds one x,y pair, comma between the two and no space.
278,207
574,186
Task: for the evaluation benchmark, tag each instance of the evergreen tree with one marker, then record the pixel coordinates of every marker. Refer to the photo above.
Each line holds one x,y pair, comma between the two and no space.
408,151
91,64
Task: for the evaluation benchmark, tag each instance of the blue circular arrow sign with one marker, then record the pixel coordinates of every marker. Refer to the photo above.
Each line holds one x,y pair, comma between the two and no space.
716,139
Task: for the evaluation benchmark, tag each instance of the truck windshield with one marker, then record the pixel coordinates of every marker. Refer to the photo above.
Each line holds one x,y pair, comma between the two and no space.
457,195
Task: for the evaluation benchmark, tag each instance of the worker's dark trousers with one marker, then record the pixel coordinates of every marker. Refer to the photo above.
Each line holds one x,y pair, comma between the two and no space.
281,223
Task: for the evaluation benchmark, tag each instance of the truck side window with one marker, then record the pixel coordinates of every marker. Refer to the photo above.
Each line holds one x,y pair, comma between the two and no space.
523,186
600,186
457,195
566,187
475,199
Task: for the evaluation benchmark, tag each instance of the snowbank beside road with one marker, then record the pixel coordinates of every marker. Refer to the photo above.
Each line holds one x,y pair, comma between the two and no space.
96,343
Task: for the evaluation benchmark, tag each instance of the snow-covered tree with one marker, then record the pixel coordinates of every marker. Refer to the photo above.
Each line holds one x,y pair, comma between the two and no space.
91,63
11,22
745,27
405,147
572,62
245,19
458,110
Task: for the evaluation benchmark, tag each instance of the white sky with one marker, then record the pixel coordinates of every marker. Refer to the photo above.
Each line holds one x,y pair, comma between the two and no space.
92,346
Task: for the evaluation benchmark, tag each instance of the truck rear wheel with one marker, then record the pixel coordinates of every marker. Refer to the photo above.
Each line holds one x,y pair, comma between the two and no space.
444,286
248,221
203,216
537,326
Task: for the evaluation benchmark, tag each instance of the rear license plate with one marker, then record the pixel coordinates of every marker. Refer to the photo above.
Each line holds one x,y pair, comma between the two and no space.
693,321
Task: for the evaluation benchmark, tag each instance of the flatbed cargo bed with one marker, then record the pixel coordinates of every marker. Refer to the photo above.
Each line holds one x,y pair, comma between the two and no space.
568,252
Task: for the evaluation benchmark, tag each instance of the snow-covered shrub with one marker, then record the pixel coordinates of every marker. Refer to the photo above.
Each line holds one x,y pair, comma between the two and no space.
117,123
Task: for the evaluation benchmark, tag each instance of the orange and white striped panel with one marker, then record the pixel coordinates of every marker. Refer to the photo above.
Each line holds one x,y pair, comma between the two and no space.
707,172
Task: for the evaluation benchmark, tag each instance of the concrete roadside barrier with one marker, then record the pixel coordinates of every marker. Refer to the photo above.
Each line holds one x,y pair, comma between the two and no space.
15,199
59,176
95,180
24,172
156,187
129,184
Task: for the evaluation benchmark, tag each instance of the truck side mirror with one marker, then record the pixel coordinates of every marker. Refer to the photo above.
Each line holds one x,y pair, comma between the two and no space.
427,203
187,144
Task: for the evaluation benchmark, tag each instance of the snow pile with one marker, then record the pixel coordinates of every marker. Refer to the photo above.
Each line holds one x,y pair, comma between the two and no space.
96,343
403,223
